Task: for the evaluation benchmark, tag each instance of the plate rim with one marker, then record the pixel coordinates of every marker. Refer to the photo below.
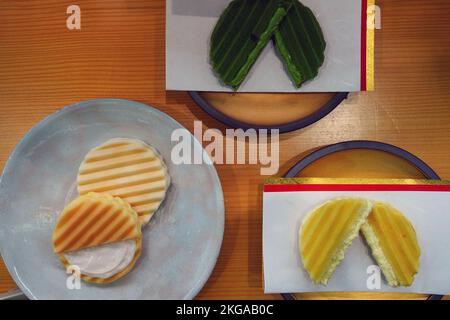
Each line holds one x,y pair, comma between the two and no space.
109,103
321,113
324,151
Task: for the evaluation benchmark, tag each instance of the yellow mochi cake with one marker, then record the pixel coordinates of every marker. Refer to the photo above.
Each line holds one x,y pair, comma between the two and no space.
393,243
129,169
327,231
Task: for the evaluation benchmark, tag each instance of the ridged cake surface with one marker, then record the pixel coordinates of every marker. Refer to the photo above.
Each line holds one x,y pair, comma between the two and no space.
129,169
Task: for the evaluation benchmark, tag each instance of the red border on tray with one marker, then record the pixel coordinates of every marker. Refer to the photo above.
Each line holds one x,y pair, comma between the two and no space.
356,187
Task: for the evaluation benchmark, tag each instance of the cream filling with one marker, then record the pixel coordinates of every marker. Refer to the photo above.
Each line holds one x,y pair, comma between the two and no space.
168,180
103,261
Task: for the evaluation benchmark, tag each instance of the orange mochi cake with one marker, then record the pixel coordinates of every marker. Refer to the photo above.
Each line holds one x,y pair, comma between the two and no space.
394,245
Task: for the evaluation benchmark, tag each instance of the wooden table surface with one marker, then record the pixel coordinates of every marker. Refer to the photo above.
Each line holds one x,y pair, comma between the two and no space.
120,52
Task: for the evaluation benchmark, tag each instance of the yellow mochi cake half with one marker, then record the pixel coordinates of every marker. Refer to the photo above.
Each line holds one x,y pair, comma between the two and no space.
102,234
393,243
119,270
326,233
129,169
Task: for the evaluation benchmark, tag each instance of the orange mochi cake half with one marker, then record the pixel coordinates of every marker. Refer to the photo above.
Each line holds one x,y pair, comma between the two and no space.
129,169
326,233
393,243
100,235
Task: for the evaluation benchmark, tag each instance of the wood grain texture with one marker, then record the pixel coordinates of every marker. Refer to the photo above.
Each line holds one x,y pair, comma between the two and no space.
119,52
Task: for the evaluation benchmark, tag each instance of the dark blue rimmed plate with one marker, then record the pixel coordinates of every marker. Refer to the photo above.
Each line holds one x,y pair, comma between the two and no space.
382,148
300,123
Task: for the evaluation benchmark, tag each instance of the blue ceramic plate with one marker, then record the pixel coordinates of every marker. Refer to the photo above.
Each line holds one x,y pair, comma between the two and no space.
180,245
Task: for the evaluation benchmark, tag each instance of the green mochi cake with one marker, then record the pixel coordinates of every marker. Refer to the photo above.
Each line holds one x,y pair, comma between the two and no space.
301,44
241,33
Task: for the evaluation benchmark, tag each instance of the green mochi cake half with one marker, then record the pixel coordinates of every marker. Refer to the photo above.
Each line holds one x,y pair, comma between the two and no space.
242,32
300,42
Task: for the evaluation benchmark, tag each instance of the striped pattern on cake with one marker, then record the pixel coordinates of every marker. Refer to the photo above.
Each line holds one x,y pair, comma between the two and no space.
129,169
394,244
327,232
92,220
